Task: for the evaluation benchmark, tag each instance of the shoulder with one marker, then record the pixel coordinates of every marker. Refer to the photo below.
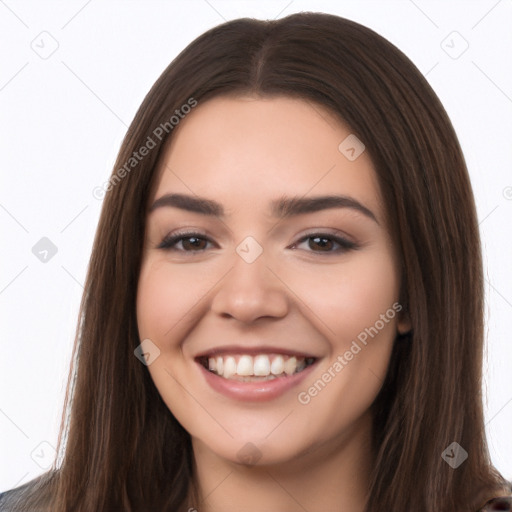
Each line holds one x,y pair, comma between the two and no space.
13,499
502,503
503,499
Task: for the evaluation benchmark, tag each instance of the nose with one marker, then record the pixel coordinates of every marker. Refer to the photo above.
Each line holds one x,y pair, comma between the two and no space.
250,291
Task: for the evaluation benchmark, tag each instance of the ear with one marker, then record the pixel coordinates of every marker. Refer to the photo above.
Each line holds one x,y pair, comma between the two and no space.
404,325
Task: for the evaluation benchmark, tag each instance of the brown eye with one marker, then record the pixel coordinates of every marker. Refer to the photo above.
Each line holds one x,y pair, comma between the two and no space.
326,243
190,242
193,243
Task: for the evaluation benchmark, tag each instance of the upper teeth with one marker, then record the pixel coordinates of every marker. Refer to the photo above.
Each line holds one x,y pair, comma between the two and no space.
261,365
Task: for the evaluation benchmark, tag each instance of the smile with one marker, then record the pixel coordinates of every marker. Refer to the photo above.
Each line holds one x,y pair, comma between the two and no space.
260,367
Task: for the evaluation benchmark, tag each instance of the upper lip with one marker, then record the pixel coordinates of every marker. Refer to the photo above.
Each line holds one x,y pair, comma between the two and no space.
252,350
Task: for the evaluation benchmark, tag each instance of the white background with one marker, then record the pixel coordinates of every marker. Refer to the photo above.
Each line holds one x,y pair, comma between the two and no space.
62,121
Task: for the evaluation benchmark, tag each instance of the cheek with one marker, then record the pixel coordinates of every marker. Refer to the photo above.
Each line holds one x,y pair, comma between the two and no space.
349,298
165,307
153,294
361,311
366,300
358,307
166,297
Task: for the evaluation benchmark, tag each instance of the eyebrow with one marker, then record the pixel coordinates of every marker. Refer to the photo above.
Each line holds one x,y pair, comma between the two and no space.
283,207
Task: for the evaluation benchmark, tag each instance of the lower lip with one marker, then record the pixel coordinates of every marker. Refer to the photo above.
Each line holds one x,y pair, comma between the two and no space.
255,391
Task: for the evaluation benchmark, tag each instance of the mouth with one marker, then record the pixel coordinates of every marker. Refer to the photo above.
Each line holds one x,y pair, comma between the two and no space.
255,368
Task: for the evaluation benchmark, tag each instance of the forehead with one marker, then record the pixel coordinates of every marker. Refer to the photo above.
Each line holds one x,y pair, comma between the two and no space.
248,150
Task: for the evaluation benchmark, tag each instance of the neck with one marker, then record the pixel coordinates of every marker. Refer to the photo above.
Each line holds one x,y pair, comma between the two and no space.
333,476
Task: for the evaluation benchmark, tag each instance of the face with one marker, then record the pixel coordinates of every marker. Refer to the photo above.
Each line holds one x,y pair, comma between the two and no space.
270,321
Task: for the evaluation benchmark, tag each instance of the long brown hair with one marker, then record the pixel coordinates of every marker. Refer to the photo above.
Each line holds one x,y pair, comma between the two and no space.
124,450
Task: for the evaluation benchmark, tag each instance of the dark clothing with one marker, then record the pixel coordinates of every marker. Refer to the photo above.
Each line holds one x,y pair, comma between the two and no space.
495,504
8,500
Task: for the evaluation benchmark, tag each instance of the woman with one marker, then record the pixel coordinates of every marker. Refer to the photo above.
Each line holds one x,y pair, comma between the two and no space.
283,309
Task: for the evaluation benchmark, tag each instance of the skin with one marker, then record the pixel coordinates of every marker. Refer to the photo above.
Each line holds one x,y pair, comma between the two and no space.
245,152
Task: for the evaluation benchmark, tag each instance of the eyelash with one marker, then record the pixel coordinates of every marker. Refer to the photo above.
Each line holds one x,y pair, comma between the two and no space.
169,242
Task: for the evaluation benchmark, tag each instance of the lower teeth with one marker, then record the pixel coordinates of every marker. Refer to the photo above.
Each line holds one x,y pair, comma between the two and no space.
256,378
